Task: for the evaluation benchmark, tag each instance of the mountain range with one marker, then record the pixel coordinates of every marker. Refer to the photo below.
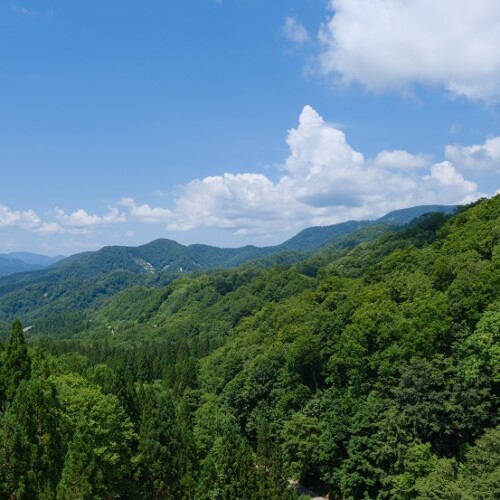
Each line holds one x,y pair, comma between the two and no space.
16,262
85,279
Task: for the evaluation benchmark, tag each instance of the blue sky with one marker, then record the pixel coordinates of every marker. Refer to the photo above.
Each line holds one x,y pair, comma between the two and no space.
238,121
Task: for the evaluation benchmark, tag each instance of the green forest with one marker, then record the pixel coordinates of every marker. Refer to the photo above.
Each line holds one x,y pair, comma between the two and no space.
363,371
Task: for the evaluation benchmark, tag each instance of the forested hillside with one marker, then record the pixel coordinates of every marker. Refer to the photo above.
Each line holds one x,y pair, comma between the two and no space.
57,297
365,372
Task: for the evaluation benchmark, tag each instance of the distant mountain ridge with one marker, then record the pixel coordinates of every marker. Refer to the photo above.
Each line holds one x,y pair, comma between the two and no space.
84,279
317,236
168,256
16,262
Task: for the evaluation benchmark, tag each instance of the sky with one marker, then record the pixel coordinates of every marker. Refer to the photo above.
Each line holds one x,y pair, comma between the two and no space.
234,122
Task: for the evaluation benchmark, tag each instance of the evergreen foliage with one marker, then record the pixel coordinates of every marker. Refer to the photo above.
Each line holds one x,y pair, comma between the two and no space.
16,365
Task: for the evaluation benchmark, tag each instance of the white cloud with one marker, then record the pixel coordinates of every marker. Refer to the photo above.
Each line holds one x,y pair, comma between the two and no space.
231,201
145,213
49,228
324,181
400,160
77,222
325,171
448,181
485,157
294,31
81,219
392,44
25,219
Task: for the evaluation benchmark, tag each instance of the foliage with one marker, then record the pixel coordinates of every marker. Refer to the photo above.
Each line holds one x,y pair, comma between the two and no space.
16,365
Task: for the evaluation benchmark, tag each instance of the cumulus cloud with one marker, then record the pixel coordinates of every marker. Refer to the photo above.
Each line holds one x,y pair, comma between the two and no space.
76,222
80,218
324,171
392,44
294,31
400,159
448,180
25,219
145,213
485,157
323,181
231,201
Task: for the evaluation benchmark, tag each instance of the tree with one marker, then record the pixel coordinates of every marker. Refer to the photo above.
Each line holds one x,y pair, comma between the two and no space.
17,365
418,462
82,476
441,483
34,441
160,450
301,438
14,459
109,427
229,471
481,474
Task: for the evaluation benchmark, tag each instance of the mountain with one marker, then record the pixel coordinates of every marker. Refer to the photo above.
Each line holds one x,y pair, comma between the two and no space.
406,215
11,266
318,236
34,258
86,279
16,262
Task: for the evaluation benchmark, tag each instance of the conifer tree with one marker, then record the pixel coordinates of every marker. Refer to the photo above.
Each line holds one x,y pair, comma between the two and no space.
14,459
159,449
17,365
31,450
82,477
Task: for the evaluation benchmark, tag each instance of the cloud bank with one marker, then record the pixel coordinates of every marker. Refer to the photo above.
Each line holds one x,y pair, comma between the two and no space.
394,44
76,222
26,219
480,157
322,181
